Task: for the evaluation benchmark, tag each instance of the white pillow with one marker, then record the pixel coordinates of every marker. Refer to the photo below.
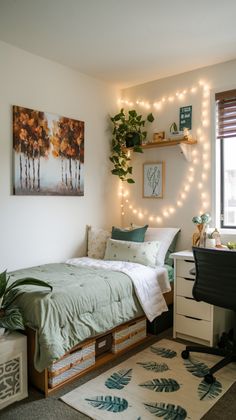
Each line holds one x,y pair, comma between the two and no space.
139,252
165,236
97,240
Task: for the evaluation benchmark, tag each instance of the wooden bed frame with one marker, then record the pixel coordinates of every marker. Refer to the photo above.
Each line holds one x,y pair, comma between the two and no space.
40,380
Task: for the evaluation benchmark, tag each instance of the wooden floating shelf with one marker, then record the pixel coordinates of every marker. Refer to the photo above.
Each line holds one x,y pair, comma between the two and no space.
168,142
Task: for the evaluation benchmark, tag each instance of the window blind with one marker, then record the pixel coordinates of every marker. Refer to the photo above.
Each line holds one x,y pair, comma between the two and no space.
226,114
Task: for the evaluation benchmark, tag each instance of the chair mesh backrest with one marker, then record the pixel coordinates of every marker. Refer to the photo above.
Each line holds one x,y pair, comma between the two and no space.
215,277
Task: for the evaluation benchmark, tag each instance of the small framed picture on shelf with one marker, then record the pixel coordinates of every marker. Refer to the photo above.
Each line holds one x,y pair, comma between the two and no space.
160,136
153,179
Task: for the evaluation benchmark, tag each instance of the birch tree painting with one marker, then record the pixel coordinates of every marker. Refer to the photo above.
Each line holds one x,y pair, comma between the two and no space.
153,180
48,153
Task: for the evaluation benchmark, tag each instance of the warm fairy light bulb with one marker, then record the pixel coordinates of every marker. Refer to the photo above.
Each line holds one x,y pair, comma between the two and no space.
159,219
190,179
179,203
205,205
194,152
181,95
123,213
206,146
134,211
195,161
204,104
126,200
185,91
191,169
186,187
171,98
204,113
204,176
205,156
183,195
163,99
130,206
203,194
206,165
193,89
171,210
122,205
151,218
177,94
201,82
200,185
157,105
165,213
140,215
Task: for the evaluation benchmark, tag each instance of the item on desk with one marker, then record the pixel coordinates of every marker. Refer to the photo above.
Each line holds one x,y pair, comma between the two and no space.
231,245
199,237
216,235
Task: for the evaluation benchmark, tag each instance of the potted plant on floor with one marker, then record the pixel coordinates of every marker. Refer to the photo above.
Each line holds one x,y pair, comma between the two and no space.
10,316
128,132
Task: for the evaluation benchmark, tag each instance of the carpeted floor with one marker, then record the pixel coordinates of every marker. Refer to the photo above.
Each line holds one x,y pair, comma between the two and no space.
36,407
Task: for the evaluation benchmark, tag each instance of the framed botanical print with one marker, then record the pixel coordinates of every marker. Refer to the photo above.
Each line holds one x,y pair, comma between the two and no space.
153,179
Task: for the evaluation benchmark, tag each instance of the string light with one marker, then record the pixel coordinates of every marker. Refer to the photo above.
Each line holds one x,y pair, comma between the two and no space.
158,104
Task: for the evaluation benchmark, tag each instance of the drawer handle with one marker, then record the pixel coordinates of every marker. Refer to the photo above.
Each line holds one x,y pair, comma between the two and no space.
187,297
188,279
188,261
192,317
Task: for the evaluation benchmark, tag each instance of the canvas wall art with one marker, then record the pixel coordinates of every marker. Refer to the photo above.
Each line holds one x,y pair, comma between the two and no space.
48,152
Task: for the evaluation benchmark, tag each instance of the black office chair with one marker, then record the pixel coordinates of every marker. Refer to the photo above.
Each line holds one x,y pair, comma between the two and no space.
215,283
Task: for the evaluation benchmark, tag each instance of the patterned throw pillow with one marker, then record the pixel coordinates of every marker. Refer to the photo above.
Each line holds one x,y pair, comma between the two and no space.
97,240
140,252
134,235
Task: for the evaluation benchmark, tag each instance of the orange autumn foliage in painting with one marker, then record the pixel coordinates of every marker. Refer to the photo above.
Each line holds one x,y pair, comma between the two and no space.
40,137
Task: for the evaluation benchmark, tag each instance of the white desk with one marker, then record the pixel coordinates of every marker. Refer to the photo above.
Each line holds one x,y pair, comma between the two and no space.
195,321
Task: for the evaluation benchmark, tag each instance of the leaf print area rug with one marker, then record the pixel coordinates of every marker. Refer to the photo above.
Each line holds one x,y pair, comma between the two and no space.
156,382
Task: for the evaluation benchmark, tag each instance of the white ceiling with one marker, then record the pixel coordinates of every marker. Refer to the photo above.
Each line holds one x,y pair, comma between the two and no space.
125,42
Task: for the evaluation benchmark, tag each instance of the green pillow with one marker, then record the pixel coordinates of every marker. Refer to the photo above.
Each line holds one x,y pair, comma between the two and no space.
133,235
139,252
171,249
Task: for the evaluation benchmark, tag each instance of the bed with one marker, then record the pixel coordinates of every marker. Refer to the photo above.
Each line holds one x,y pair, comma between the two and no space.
94,301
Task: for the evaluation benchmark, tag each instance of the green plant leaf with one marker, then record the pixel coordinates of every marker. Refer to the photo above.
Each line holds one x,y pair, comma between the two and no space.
150,117
161,385
166,411
138,149
154,366
209,391
3,282
12,319
119,380
197,368
163,352
9,298
130,181
109,403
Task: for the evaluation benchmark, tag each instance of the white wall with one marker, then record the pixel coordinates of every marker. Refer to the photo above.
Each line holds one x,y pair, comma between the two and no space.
219,77
40,229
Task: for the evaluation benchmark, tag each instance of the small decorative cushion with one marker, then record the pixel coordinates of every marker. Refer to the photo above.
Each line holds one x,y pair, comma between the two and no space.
165,236
139,252
134,235
97,240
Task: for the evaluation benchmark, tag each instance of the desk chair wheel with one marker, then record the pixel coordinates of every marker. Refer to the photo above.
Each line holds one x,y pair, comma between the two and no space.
185,354
209,378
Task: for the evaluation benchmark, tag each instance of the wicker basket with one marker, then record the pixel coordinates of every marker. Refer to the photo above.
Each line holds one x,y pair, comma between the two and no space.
73,363
129,334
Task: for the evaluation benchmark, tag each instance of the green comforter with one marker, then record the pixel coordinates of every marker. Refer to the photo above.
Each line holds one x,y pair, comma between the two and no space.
85,301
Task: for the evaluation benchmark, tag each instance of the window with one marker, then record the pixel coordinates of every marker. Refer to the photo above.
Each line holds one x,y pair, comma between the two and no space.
226,150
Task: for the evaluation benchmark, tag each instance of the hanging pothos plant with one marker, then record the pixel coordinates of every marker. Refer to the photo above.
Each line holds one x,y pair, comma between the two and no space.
128,132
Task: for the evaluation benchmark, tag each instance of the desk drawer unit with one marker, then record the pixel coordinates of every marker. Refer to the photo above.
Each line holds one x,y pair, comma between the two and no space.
195,321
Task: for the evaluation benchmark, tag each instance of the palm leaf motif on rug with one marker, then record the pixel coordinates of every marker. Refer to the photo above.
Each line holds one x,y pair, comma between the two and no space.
154,366
166,411
209,391
195,367
109,403
163,352
118,380
161,385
